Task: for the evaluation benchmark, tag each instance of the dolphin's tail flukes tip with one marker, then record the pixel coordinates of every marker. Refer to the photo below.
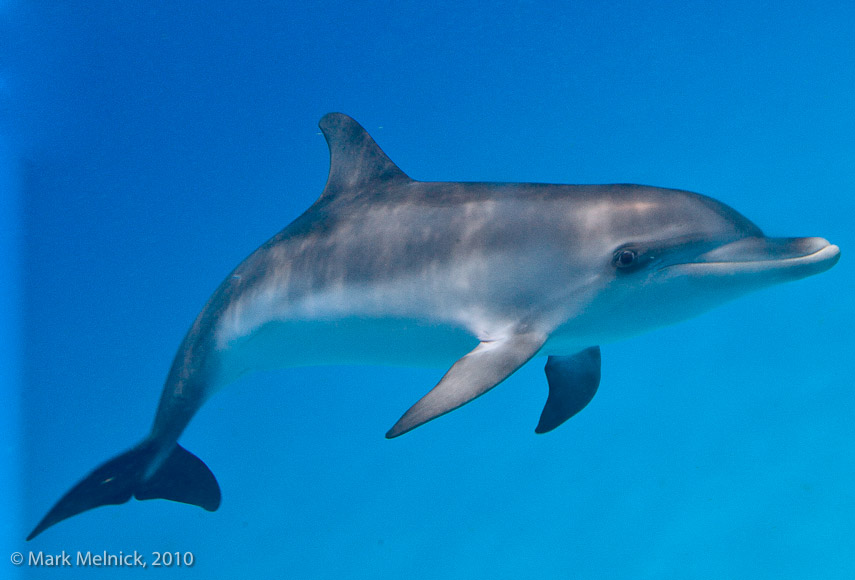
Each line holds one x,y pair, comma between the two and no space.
182,477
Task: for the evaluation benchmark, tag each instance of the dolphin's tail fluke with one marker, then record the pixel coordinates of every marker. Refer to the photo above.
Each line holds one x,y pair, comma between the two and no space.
182,477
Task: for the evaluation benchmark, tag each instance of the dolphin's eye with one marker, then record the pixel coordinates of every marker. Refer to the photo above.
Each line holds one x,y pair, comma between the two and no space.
625,258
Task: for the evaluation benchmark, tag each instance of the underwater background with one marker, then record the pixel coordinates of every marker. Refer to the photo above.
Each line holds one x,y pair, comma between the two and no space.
148,147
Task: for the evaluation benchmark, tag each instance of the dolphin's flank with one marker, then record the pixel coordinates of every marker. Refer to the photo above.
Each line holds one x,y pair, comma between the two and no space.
384,269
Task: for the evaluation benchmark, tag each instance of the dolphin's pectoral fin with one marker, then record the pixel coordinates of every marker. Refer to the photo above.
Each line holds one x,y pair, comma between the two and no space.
573,382
473,375
182,477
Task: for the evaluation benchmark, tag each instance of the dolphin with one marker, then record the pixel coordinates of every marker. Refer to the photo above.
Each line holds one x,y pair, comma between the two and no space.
385,269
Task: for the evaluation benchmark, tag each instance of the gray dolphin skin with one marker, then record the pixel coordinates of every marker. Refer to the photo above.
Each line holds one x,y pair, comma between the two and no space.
384,269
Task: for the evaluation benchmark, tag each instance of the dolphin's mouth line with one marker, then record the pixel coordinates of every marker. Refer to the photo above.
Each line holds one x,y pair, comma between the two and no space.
827,254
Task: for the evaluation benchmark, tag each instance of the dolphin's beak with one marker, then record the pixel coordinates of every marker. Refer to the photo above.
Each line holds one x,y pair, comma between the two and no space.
776,259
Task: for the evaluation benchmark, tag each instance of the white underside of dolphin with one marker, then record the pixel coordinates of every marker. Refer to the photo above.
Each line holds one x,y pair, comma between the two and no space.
384,269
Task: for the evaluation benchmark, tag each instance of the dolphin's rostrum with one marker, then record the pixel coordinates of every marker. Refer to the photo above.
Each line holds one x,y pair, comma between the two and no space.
386,269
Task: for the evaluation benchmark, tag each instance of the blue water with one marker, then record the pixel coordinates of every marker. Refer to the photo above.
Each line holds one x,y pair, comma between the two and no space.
155,144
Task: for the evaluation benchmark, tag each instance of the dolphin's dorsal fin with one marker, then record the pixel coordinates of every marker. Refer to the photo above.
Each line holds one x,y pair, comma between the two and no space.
355,159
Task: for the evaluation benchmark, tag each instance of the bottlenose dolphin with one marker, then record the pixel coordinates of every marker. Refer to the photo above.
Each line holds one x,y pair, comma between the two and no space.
386,269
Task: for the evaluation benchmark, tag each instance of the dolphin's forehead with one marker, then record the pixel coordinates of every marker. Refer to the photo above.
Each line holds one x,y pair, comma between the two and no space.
625,211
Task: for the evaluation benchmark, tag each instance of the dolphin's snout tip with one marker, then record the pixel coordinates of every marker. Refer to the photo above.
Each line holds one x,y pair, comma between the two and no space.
833,253
820,255
823,249
811,246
